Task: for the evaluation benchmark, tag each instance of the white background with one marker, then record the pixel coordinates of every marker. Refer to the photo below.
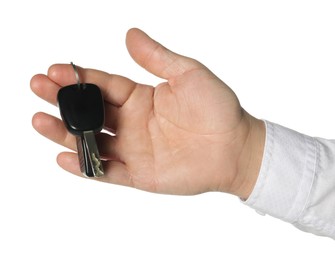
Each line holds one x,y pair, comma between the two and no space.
278,56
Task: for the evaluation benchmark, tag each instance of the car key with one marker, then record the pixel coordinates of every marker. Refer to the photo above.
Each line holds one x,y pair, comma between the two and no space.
82,110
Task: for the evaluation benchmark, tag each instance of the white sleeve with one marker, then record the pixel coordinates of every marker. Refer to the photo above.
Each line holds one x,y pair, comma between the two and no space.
296,182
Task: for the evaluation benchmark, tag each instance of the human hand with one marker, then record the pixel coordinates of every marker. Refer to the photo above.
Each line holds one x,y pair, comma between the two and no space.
187,135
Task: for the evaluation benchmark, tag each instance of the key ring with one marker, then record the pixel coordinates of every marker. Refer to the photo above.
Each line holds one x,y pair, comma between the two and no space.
76,73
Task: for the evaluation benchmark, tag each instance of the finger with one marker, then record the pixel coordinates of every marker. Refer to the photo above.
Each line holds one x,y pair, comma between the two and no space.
108,146
156,58
115,172
44,88
53,129
69,162
115,89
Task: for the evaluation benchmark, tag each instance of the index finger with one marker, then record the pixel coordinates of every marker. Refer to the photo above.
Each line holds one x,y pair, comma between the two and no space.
115,89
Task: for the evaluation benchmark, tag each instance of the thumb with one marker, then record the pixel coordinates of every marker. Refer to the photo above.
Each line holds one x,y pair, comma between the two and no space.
155,58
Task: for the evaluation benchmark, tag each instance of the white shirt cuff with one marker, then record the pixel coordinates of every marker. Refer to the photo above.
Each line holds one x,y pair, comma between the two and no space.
286,175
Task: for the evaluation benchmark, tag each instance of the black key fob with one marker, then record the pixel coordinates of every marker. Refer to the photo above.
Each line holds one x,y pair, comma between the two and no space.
82,108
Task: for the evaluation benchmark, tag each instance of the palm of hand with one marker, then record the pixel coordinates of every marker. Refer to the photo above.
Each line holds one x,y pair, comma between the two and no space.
181,141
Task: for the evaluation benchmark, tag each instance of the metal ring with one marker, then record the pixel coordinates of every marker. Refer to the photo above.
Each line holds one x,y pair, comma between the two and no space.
76,73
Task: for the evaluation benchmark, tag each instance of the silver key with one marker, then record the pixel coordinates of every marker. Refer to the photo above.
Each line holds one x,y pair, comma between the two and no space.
89,158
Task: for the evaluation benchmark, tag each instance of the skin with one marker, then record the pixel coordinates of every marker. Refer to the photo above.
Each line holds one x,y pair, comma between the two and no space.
186,136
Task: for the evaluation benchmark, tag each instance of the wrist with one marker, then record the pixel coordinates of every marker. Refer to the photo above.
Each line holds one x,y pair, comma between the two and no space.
250,160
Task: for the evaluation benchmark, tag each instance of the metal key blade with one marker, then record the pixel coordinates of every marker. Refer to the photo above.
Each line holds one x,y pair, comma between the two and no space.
81,155
84,159
89,157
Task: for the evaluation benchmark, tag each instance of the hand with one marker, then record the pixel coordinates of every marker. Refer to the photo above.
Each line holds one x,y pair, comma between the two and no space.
188,135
